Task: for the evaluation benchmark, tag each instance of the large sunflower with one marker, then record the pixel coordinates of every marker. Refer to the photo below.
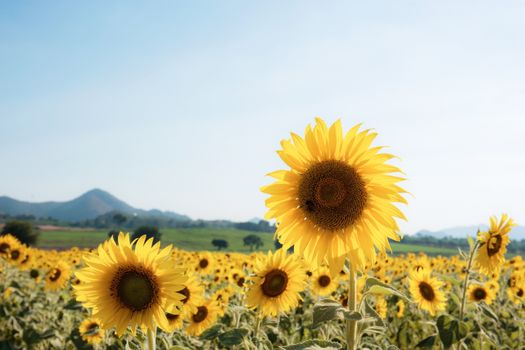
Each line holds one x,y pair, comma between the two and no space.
491,254
131,284
337,198
278,280
426,292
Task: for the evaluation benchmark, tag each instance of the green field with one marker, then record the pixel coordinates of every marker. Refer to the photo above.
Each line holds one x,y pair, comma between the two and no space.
199,239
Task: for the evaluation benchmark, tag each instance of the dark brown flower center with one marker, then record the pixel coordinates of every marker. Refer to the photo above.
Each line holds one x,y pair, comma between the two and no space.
240,281
172,317
34,273
202,313
332,195
15,254
494,244
479,294
520,293
426,290
4,247
134,287
203,263
275,283
324,280
54,274
186,293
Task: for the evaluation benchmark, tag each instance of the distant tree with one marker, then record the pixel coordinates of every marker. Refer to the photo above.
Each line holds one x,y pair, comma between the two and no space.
119,219
23,231
149,231
253,241
220,243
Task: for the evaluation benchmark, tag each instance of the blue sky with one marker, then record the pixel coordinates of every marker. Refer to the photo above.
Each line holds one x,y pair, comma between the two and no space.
181,105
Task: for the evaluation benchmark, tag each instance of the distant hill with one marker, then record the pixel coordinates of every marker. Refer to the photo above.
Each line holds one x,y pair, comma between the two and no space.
517,232
88,206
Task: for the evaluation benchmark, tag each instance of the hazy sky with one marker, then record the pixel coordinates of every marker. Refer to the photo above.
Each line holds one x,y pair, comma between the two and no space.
181,105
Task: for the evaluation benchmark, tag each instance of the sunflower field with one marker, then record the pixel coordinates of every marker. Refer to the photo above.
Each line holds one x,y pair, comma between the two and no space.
332,285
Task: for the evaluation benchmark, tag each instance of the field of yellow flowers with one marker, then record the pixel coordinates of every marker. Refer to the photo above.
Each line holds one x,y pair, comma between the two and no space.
224,304
336,207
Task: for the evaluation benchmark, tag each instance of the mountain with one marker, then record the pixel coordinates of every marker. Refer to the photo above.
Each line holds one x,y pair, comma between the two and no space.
517,233
88,206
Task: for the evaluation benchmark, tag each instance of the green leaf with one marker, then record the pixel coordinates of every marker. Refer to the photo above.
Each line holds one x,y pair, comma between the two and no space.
375,286
212,332
427,343
451,330
72,304
328,310
314,344
233,337
487,311
372,312
352,316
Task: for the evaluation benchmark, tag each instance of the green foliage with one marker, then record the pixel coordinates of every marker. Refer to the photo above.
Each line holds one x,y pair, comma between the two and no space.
220,243
21,230
253,241
149,231
451,330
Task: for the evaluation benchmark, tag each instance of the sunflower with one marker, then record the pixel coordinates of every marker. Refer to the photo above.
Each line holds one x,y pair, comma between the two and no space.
204,263
26,260
480,292
57,276
131,284
426,292
91,330
338,197
322,282
400,308
193,295
8,242
278,280
490,256
175,321
203,318
381,307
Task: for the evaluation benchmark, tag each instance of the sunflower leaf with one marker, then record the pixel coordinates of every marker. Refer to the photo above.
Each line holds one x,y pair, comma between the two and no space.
427,343
315,344
212,332
328,310
233,337
375,286
451,330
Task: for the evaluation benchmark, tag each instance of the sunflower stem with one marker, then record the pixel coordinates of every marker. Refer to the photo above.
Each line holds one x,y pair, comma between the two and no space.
151,338
465,282
351,325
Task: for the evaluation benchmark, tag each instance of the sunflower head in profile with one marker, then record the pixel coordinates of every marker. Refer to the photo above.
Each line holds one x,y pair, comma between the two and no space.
131,284
91,331
426,291
480,292
338,197
57,276
490,256
323,282
203,318
278,279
